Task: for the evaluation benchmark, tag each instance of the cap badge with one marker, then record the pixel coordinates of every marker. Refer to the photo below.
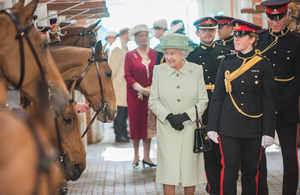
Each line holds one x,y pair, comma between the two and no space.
237,27
275,11
208,21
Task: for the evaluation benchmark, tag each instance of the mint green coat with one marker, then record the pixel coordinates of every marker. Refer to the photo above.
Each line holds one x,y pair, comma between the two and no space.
177,92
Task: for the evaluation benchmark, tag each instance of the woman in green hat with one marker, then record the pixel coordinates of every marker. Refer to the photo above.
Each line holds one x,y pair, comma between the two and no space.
177,87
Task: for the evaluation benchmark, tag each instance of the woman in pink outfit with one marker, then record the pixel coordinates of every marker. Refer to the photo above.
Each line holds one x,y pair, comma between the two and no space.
139,65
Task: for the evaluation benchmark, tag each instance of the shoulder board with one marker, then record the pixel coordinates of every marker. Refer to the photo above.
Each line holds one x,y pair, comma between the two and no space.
262,30
296,34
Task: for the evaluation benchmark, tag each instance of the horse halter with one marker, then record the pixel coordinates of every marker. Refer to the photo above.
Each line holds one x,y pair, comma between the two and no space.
298,20
82,34
22,32
102,105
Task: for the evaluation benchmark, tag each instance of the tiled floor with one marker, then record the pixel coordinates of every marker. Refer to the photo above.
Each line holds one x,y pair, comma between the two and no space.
109,171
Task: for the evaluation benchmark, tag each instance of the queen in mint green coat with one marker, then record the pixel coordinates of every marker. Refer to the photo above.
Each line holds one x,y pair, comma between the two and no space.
177,91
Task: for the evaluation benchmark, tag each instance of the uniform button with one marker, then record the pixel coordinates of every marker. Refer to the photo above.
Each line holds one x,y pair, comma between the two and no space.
178,100
203,62
255,76
200,56
243,81
288,58
222,51
208,77
205,70
242,93
178,86
275,52
242,104
177,75
256,82
273,64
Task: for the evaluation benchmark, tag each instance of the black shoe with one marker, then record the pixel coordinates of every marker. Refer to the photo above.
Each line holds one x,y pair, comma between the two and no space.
149,164
122,139
135,165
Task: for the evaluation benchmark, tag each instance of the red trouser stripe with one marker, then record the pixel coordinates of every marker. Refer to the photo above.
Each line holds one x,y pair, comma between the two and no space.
223,167
257,171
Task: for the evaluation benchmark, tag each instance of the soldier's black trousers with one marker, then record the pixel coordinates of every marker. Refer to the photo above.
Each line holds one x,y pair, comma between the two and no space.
235,152
212,162
120,125
288,139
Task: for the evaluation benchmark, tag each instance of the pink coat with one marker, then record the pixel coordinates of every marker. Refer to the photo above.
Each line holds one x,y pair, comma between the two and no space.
135,71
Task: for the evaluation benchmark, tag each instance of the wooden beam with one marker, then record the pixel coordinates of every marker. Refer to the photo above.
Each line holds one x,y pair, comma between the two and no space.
93,17
77,11
85,5
251,11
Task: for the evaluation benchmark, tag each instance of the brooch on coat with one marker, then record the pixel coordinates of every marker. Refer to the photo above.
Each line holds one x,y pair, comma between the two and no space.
220,57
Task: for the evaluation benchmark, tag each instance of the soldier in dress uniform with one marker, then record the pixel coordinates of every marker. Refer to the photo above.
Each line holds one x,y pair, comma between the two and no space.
225,30
242,110
282,47
209,55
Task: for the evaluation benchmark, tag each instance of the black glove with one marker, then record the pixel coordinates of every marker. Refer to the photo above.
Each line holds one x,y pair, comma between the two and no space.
176,124
182,117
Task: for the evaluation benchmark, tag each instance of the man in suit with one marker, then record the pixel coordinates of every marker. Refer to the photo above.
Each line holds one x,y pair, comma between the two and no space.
209,55
116,60
282,47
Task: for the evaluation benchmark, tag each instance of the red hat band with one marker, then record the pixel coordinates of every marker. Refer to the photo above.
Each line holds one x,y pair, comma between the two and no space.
244,28
276,11
224,21
208,22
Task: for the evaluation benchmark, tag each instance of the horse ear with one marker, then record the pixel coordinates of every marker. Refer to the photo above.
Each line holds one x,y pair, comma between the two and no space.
92,26
98,48
19,5
27,12
95,29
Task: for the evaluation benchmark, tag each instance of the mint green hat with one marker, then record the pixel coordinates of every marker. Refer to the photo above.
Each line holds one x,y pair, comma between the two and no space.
174,41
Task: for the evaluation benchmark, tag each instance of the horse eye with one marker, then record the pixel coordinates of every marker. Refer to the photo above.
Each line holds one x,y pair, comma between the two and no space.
44,45
108,75
67,120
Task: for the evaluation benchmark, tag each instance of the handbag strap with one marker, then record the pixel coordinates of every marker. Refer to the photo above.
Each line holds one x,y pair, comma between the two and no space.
197,118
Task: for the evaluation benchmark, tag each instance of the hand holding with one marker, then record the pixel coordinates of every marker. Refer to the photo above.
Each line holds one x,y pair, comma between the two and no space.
182,117
213,136
267,141
143,90
81,107
140,95
174,123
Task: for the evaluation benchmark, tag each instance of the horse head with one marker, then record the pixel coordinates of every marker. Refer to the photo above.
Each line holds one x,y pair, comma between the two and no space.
25,57
79,35
66,136
100,94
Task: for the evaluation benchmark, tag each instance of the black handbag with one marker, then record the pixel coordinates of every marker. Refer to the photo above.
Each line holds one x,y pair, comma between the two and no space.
201,140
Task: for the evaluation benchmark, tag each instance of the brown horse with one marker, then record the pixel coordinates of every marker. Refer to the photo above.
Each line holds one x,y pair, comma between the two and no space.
79,35
294,20
77,63
27,158
65,135
25,57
